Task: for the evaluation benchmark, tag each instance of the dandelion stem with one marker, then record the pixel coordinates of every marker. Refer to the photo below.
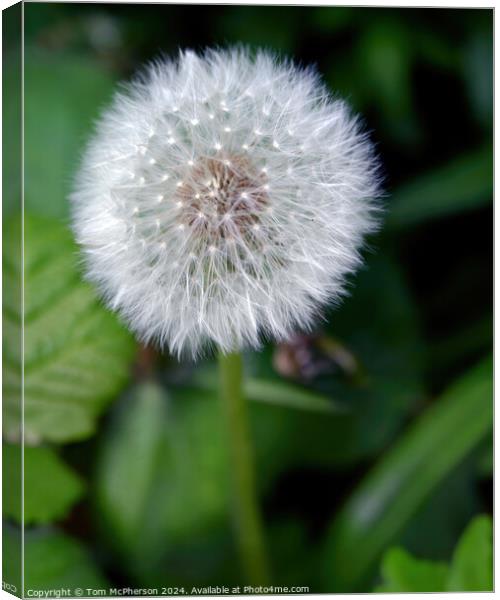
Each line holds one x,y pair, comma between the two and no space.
247,516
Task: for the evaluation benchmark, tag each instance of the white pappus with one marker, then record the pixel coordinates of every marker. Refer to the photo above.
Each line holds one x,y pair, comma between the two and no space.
224,197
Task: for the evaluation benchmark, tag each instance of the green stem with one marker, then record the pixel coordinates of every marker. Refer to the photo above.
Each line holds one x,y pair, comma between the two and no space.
246,512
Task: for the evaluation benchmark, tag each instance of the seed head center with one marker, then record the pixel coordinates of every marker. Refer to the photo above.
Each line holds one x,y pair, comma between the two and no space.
222,196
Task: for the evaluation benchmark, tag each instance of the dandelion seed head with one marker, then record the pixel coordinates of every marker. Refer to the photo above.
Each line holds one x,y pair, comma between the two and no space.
270,191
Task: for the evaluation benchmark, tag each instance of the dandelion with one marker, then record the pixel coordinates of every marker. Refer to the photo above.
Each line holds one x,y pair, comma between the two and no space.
224,198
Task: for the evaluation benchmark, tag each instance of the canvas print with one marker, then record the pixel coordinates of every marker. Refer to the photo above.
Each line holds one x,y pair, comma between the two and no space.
247,300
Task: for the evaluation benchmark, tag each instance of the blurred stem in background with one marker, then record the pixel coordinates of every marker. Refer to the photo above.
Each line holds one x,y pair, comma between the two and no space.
247,518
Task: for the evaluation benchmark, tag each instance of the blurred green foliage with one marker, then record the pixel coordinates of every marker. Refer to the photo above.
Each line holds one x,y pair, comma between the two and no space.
55,560
50,486
461,185
403,480
471,568
65,126
404,573
75,354
373,432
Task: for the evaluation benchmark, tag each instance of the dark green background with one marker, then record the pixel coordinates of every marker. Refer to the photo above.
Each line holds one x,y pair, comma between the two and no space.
404,346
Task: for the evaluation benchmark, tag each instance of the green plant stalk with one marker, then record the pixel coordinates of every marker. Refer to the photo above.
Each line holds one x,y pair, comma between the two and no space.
247,518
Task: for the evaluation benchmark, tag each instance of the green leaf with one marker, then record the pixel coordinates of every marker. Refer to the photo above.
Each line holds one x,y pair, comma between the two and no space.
53,560
161,478
472,565
463,184
436,525
290,396
66,119
471,569
380,508
129,459
50,487
76,354
402,572
274,392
